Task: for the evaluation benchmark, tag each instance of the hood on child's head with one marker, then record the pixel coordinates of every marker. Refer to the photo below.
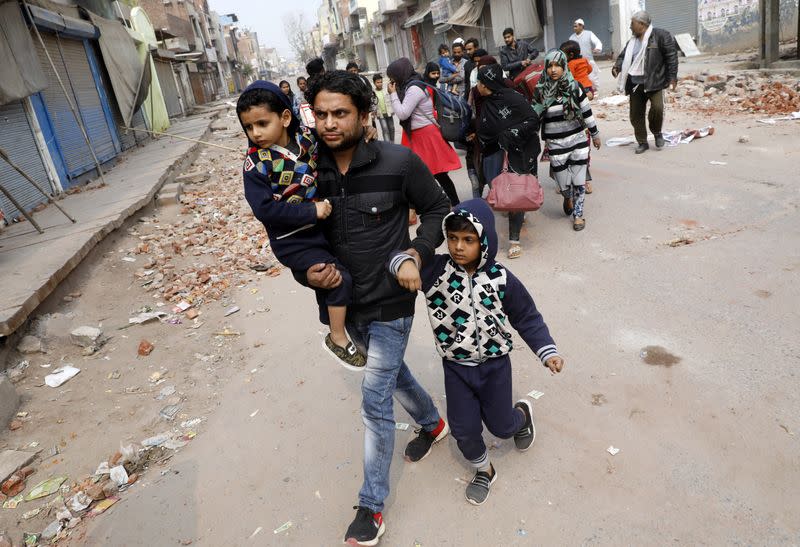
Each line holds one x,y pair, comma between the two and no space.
273,88
478,212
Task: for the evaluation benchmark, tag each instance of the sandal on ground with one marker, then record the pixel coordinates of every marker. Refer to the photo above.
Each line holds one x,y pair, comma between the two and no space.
515,251
578,224
349,356
588,187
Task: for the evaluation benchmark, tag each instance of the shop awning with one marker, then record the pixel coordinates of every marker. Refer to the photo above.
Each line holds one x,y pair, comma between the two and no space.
468,14
417,18
22,72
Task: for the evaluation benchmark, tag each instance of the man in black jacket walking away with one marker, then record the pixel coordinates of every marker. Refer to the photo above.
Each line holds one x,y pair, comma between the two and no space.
647,66
371,187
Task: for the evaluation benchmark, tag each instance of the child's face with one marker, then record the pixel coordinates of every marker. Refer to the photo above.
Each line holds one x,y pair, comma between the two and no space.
285,88
464,248
379,84
555,71
264,127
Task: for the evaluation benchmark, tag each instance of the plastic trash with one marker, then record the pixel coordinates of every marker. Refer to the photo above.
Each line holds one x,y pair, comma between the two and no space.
169,412
612,450
535,394
231,311
156,440
102,506
401,426
46,487
79,502
146,317
283,527
61,375
119,475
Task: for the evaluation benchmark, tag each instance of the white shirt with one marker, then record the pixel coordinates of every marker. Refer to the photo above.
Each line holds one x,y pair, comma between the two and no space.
588,42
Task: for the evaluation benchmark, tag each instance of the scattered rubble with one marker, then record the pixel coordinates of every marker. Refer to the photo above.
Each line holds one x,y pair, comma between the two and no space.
738,91
86,337
30,344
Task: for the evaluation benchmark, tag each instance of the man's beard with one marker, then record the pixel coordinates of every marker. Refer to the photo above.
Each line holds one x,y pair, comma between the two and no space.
348,141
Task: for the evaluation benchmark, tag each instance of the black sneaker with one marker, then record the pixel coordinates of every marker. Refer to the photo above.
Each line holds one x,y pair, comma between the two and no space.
642,148
420,447
659,141
366,529
349,356
478,489
527,434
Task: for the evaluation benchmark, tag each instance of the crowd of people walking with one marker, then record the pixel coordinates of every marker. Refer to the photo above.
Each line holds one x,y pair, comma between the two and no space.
336,204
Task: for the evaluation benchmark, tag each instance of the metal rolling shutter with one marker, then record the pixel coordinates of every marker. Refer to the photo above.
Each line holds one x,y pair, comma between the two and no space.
16,138
168,87
676,16
73,67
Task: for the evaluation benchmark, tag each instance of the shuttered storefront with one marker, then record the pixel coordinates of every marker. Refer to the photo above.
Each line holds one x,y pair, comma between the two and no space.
18,141
676,16
166,79
70,59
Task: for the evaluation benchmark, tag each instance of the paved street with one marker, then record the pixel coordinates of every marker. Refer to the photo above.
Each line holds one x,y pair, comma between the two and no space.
708,439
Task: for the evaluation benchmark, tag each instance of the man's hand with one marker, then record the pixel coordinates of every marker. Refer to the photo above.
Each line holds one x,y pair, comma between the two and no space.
555,364
391,87
526,62
408,276
370,133
673,84
596,142
324,209
614,71
323,276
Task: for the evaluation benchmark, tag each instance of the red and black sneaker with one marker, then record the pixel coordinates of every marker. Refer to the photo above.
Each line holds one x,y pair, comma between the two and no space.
421,446
366,529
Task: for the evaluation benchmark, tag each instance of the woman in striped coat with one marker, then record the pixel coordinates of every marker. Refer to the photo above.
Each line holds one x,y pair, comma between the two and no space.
565,114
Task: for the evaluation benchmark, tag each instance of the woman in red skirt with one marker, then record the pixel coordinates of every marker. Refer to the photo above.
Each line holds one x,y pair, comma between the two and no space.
412,102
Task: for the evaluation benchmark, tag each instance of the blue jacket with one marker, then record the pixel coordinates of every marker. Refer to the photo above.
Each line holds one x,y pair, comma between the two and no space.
447,67
472,316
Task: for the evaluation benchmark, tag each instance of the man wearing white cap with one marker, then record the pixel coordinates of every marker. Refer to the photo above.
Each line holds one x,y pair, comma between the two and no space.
590,44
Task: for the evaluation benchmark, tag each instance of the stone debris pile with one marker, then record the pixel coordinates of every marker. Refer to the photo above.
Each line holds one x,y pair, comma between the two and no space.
738,92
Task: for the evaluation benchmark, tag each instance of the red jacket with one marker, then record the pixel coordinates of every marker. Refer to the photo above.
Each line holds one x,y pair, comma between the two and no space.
580,69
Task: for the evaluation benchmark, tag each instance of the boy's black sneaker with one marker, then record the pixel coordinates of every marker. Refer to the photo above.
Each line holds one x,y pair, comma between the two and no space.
421,446
527,434
366,529
478,489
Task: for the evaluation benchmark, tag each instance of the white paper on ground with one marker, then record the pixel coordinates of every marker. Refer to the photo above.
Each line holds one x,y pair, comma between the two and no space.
61,375
535,394
612,450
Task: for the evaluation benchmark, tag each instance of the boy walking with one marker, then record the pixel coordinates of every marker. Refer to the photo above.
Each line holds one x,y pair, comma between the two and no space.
472,303
384,112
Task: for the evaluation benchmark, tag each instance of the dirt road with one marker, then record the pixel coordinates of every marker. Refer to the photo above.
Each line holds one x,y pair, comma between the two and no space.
684,357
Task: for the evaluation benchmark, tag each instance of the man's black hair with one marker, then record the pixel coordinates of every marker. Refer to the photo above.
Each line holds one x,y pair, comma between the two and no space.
480,52
571,49
354,86
263,97
443,47
508,30
352,64
458,44
473,41
301,78
459,223
377,77
315,67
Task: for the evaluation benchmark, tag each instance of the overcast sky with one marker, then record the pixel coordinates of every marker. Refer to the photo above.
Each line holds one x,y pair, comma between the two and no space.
266,17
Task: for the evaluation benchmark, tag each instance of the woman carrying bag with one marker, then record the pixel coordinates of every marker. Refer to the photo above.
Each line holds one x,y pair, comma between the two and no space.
413,106
507,126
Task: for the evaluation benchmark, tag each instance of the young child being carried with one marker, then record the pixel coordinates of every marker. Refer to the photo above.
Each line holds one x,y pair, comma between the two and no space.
579,67
473,303
565,114
280,185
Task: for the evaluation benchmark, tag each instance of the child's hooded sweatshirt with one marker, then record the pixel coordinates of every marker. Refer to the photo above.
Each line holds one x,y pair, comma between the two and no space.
472,316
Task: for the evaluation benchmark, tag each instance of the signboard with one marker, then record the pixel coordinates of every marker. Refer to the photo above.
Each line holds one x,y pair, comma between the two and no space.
440,11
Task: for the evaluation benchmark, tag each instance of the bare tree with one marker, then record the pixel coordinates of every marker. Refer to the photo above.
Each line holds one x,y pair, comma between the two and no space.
299,38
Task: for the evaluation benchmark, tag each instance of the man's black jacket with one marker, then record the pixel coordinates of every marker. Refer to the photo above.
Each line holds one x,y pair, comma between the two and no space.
370,221
660,62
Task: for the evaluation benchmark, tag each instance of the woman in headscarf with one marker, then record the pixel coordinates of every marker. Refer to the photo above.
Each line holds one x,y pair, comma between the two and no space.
565,112
412,102
506,125
432,74
287,89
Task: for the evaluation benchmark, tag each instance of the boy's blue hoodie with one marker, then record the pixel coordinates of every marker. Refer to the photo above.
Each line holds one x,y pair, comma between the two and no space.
472,316
447,67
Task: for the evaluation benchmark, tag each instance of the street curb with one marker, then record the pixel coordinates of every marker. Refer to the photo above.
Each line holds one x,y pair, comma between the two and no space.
40,295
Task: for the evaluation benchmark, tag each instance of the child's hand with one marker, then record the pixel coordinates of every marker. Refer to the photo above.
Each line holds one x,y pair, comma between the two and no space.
324,209
596,142
555,364
589,95
408,276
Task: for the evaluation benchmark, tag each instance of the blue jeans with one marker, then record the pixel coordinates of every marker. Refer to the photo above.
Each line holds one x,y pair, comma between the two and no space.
386,375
